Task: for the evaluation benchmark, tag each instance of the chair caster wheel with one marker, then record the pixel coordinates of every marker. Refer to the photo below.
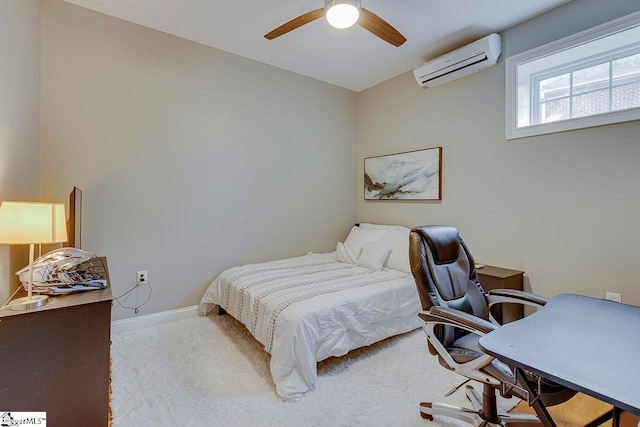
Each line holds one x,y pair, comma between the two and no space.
426,416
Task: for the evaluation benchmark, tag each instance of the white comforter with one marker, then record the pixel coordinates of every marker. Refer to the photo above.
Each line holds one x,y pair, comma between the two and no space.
306,309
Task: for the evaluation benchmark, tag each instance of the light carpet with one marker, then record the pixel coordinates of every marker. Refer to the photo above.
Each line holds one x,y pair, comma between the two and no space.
209,371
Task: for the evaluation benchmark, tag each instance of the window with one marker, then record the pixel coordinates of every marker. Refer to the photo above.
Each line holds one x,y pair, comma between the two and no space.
589,79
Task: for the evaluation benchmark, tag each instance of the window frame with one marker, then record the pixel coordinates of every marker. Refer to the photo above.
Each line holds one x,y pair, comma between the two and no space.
532,103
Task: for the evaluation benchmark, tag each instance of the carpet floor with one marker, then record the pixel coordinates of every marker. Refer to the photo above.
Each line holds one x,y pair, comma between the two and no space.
209,371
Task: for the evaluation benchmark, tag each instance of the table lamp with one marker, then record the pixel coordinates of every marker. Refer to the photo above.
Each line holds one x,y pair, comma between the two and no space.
30,223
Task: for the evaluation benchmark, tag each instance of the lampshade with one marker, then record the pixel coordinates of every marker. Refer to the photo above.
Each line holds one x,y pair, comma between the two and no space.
32,222
342,13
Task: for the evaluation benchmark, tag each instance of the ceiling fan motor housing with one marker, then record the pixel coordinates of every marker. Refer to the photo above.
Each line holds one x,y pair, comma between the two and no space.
330,3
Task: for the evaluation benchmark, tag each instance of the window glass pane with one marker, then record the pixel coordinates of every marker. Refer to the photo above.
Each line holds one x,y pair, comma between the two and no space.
627,96
553,111
554,87
626,70
591,103
592,78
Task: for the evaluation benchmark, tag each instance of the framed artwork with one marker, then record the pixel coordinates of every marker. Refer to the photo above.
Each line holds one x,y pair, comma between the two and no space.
414,175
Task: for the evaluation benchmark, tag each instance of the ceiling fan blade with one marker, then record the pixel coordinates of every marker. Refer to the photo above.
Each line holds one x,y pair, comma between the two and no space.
295,23
381,28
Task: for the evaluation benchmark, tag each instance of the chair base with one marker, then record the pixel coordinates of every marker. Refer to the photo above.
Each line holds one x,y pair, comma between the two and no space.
478,416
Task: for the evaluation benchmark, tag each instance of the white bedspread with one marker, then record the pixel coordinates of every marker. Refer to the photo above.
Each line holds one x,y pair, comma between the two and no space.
306,309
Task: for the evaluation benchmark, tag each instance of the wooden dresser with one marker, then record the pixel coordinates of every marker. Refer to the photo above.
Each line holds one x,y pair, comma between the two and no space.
56,359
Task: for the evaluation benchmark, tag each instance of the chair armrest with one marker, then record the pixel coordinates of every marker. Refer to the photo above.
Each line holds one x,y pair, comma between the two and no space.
499,296
458,319
473,369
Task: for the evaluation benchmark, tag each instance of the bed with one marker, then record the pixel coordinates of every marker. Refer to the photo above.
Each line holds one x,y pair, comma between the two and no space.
309,308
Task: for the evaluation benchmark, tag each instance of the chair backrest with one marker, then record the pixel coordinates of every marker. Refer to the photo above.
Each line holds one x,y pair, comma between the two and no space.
445,275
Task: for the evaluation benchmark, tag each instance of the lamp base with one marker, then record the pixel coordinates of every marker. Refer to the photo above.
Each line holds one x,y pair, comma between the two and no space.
26,303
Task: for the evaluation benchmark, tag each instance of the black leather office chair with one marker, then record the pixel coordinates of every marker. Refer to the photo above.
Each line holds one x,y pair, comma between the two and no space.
457,314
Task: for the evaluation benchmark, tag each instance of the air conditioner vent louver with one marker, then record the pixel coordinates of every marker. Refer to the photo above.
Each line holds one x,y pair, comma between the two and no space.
461,62
454,68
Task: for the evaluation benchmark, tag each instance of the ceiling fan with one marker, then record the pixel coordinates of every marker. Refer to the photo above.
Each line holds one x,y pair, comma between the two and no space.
344,14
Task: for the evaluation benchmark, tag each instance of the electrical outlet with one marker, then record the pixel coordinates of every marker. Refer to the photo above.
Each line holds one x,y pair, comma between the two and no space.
142,276
612,296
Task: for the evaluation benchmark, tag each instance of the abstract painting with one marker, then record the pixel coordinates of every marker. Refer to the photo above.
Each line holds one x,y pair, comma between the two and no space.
414,175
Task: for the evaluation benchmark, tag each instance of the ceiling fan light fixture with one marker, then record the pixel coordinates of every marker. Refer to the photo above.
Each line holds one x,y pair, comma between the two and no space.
342,13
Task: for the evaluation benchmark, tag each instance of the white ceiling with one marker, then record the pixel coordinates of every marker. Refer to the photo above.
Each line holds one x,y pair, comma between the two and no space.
353,58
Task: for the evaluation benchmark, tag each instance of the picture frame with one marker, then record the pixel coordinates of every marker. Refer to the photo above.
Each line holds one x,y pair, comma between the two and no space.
411,175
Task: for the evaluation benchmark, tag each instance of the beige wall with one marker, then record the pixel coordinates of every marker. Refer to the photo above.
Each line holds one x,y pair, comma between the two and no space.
564,208
19,119
191,159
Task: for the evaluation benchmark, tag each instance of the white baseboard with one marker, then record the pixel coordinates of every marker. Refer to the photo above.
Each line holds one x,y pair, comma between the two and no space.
154,319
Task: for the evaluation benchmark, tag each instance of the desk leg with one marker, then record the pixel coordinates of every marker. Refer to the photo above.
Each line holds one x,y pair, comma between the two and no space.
616,417
538,406
601,419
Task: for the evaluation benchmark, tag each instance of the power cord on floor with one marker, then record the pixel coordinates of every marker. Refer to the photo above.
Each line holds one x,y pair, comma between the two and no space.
135,309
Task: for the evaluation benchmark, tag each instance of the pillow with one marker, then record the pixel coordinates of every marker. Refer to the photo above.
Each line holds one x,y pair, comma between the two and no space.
398,241
348,253
361,236
373,256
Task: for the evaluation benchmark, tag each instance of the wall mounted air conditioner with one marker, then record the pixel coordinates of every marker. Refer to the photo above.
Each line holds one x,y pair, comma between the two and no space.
461,62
